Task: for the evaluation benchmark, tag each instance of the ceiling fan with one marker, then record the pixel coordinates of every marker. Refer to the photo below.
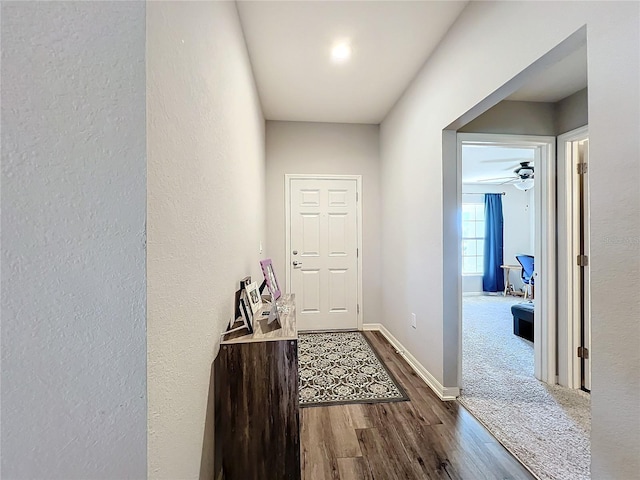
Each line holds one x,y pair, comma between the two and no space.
522,180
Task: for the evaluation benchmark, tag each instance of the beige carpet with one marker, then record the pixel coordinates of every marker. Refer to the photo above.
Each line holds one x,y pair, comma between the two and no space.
546,427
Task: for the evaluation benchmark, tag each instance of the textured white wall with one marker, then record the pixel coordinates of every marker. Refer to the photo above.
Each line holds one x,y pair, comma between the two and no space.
515,118
205,137
572,112
514,35
518,215
73,259
328,148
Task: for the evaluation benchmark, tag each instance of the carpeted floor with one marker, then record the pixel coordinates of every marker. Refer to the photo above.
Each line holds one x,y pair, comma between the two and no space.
546,427
342,367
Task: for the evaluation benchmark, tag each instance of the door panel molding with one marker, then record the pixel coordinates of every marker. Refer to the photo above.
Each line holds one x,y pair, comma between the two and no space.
336,197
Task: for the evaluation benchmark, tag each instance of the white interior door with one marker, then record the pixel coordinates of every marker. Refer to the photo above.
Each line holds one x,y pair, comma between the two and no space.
581,287
574,292
586,286
323,262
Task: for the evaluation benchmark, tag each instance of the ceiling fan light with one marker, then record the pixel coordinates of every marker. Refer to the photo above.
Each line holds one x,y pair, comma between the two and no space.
524,184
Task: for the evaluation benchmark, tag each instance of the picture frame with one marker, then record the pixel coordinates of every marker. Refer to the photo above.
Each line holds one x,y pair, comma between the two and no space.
270,279
245,311
244,282
242,314
253,295
236,308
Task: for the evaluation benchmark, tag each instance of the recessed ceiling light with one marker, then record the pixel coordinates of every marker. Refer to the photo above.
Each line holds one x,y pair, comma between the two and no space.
341,52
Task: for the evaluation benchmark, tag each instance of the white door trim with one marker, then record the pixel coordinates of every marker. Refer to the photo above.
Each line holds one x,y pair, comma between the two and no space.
545,248
569,374
287,225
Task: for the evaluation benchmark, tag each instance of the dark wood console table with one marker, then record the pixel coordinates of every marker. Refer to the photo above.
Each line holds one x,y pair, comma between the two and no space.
257,426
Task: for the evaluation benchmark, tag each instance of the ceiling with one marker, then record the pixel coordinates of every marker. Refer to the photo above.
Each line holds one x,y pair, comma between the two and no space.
289,45
559,81
484,162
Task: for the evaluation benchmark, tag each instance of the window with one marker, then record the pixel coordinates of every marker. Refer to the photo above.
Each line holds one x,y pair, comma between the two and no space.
472,239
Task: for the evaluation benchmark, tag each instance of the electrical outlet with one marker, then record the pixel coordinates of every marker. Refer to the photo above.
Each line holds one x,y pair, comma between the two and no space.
413,320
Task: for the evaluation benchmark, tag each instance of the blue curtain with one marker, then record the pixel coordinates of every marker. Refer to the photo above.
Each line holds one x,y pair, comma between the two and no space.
493,278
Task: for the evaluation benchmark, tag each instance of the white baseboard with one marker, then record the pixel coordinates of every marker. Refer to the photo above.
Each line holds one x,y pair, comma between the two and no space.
444,393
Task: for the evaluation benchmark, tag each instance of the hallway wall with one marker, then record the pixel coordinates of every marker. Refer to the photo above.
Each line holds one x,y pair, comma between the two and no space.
514,35
515,118
73,241
533,118
205,135
572,112
328,148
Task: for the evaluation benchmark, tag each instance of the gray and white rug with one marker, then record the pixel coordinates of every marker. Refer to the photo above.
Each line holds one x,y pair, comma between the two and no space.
342,367
546,427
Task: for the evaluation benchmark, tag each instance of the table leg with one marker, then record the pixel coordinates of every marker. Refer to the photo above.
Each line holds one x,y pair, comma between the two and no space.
506,282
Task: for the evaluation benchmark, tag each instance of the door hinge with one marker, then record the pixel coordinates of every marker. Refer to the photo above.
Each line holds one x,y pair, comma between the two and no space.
357,253
583,352
358,308
581,168
356,196
582,260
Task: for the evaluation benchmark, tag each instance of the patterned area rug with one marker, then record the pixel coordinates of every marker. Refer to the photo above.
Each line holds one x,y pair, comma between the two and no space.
340,368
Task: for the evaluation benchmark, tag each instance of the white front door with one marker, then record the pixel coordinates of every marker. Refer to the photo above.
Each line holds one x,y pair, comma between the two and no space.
323,266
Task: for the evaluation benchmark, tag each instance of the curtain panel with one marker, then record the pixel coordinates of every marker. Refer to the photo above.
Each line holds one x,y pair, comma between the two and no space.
493,277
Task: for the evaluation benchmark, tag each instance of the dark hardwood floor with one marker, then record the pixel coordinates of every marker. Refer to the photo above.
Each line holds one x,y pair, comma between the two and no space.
423,438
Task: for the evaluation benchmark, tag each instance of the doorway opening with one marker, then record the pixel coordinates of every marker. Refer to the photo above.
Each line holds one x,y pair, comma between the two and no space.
501,371
511,256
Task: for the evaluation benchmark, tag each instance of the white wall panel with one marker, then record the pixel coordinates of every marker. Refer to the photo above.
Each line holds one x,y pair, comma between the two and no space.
206,217
74,177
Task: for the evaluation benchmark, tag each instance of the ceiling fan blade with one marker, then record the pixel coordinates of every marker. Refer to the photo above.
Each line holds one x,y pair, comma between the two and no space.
515,161
496,179
513,180
510,168
513,168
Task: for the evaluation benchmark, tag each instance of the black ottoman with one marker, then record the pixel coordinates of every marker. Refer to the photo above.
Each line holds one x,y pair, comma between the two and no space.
523,320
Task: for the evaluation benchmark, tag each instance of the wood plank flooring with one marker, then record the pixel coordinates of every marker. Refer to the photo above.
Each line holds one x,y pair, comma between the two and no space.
423,438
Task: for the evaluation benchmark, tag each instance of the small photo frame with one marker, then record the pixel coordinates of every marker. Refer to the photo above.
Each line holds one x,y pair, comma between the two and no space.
236,308
245,282
270,278
245,311
253,294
